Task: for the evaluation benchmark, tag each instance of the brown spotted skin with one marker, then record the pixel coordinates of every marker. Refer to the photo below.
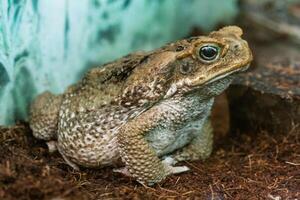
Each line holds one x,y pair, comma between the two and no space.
146,110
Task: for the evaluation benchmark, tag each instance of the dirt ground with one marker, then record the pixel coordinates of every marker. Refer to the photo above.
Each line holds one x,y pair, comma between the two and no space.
243,166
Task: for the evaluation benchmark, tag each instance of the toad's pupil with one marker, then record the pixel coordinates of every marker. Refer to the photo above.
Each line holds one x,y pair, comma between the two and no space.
208,52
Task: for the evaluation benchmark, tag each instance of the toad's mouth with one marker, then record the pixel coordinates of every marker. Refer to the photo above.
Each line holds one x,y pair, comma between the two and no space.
174,87
223,75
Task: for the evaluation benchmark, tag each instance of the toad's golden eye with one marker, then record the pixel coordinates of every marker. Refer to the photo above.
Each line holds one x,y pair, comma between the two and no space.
209,53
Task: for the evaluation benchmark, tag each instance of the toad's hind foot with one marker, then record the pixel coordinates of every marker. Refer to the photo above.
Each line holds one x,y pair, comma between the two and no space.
43,118
70,163
123,171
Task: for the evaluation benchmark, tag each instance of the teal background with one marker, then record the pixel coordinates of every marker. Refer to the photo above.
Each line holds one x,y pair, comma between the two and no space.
49,44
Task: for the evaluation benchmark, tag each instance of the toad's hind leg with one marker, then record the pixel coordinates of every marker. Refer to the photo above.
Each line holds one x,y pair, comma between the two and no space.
43,118
199,148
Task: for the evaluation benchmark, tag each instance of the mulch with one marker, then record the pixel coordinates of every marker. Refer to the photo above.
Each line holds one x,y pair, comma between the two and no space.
244,165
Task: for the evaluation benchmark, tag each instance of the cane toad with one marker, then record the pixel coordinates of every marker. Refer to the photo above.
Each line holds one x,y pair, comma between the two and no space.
146,110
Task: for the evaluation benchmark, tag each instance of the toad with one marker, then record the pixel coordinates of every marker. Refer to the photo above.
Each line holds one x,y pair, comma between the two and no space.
147,110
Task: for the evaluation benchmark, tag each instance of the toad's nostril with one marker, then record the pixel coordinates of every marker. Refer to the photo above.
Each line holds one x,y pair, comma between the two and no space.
236,46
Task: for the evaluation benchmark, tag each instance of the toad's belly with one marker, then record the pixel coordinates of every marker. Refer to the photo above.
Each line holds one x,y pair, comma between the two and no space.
165,140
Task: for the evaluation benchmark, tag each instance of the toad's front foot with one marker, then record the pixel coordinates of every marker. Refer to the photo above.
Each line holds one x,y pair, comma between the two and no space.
169,162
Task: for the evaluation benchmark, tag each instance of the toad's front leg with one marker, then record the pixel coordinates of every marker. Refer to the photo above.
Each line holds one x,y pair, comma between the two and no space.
141,160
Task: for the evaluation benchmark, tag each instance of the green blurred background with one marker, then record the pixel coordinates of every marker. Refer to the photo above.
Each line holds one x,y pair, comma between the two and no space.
48,45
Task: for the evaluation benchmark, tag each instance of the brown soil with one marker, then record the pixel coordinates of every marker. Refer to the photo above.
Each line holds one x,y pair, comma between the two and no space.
243,166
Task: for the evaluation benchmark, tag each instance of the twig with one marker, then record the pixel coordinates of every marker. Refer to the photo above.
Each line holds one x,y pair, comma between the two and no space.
291,163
